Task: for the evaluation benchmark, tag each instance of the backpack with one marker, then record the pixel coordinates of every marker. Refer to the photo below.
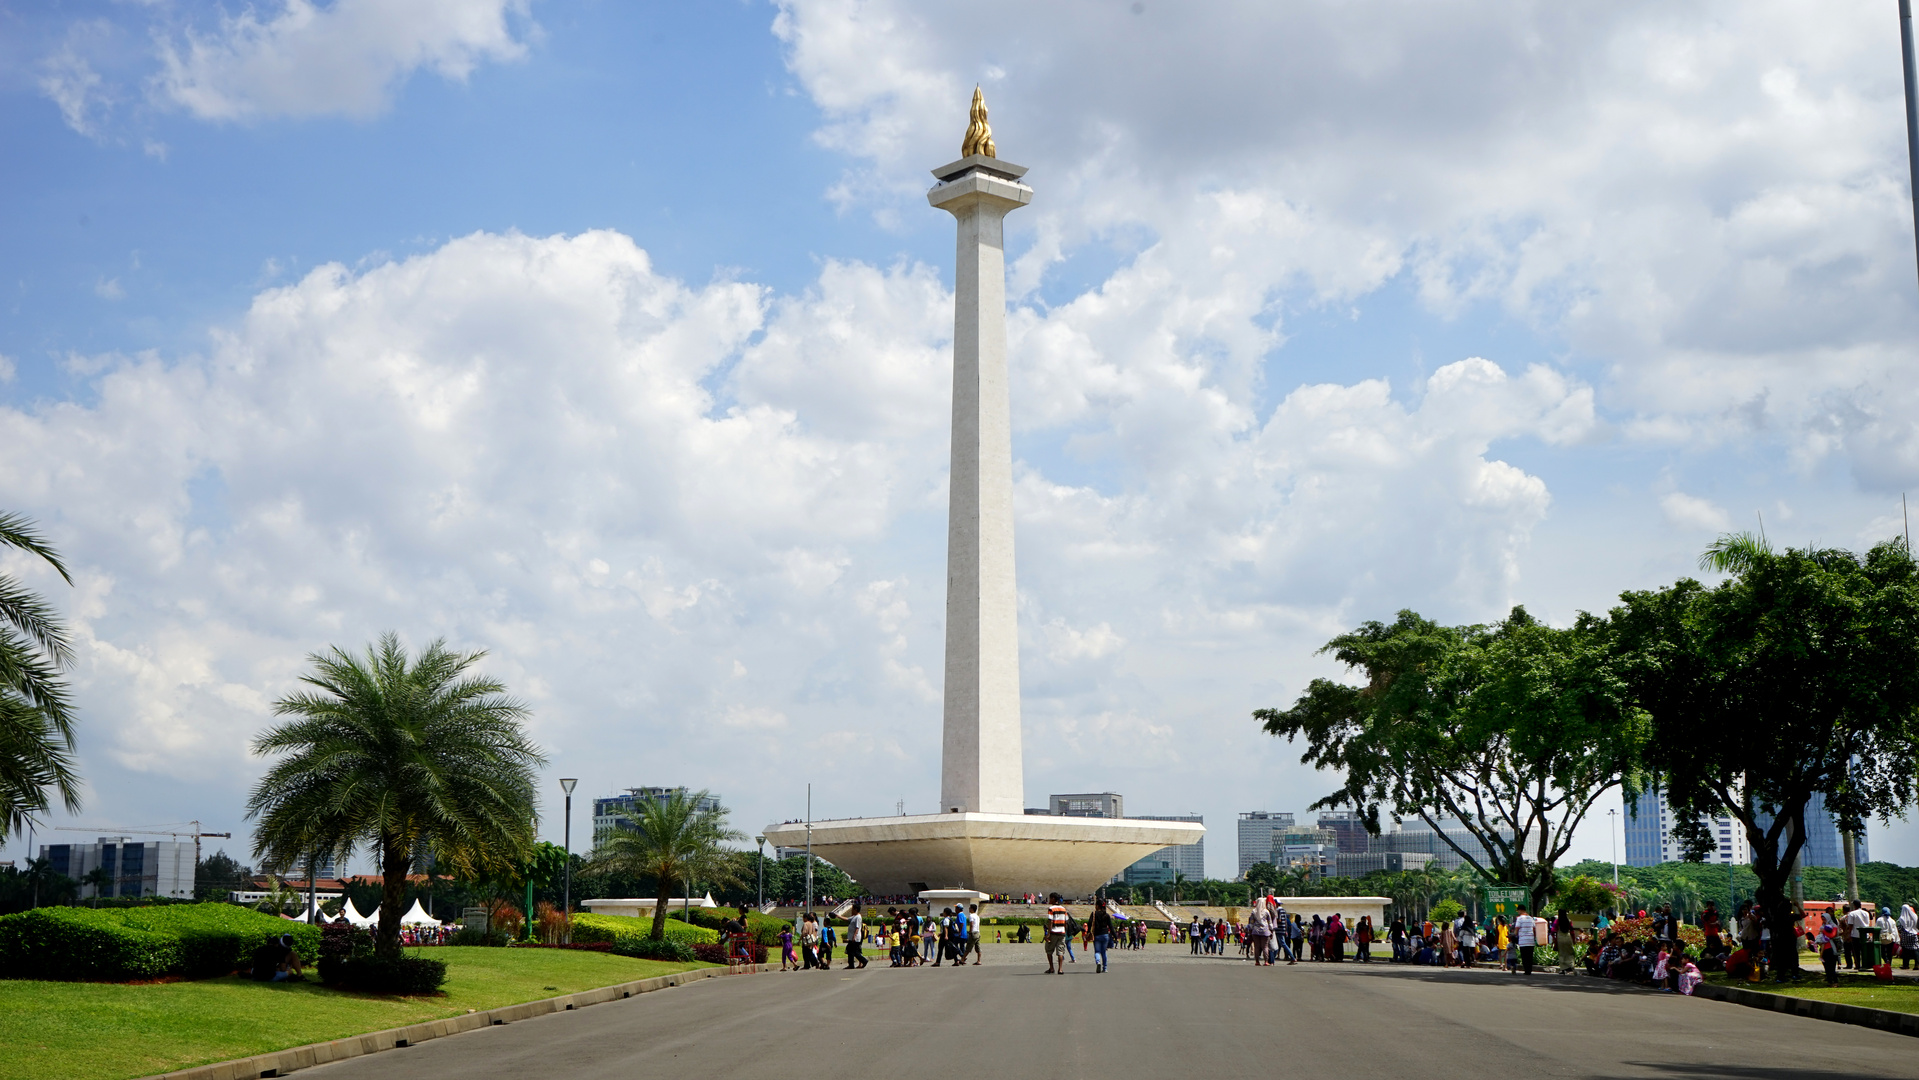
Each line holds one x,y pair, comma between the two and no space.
1072,926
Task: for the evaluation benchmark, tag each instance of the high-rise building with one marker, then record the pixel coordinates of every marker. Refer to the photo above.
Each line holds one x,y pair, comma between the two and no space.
1256,829
1348,828
616,811
156,868
1417,836
1100,804
1359,864
1824,847
1649,839
1297,846
1158,868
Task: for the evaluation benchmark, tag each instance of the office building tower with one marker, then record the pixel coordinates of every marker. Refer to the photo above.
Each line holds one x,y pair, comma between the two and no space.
1256,828
1159,867
1102,804
616,811
155,868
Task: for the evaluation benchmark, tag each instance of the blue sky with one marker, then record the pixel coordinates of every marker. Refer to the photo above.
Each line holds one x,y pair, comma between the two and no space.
609,338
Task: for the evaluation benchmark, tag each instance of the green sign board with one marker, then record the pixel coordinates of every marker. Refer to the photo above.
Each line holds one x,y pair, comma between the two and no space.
1504,900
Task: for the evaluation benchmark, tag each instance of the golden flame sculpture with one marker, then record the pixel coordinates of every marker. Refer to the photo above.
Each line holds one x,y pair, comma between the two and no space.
979,136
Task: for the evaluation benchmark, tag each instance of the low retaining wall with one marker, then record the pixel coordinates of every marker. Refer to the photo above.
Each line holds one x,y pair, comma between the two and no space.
1883,1019
282,1062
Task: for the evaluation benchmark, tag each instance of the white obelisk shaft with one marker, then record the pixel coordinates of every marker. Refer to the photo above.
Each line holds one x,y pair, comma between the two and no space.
980,752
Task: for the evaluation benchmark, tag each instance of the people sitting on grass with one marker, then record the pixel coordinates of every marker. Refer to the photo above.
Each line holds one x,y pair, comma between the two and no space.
276,961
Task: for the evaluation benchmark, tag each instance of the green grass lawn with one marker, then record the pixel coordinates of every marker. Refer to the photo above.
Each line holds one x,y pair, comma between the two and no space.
105,1031
1901,995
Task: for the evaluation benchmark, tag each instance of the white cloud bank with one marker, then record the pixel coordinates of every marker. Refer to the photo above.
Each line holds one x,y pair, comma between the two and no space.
293,58
1707,203
662,510
343,58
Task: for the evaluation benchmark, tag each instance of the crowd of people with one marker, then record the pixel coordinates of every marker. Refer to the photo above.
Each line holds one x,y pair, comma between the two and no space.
1647,949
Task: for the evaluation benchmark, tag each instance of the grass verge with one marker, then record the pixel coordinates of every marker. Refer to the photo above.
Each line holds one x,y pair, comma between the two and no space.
1897,996
107,1031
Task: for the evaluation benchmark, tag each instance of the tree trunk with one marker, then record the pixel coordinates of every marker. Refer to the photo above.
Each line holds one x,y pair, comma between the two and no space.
1775,876
399,859
659,910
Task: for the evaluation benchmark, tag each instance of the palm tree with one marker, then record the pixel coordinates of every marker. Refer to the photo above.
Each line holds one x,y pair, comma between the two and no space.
394,754
36,720
100,880
1179,884
1296,880
671,841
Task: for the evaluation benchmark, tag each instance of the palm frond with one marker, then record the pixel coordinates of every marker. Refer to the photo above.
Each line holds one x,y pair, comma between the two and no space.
1735,553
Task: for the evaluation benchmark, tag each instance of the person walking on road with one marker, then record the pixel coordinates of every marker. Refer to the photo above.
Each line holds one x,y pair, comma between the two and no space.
1102,927
855,940
972,917
1908,936
1056,937
1563,940
1525,938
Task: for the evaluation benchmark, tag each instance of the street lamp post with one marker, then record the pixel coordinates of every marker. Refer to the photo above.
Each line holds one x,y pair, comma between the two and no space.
809,847
1612,817
566,892
760,869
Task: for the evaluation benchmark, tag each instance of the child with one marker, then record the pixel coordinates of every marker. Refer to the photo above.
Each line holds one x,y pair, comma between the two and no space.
1829,952
788,962
1689,978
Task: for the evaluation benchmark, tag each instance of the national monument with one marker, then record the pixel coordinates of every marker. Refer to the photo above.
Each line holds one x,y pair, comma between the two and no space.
982,838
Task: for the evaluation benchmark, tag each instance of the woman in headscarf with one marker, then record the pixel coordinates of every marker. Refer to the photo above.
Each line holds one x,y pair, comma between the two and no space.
1908,937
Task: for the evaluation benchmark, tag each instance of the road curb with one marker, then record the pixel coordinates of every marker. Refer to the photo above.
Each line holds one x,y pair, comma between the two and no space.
282,1062
1882,1019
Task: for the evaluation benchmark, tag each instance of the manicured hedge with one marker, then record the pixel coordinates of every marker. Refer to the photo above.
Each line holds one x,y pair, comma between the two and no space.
765,929
589,927
123,944
634,937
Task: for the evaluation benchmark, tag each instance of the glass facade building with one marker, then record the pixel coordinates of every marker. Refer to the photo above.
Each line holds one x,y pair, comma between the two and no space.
616,811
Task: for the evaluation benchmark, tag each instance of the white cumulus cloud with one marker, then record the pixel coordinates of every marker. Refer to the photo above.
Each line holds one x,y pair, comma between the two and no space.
344,58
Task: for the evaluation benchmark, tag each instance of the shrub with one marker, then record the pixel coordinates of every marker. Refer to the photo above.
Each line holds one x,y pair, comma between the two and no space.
82,943
645,948
217,938
340,943
1446,911
403,974
1584,895
1638,931
619,928
146,942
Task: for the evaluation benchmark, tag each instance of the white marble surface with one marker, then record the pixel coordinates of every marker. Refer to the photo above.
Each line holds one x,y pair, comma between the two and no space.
995,853
981,769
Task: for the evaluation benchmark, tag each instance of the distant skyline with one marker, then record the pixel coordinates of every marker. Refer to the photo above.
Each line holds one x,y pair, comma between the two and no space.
614,338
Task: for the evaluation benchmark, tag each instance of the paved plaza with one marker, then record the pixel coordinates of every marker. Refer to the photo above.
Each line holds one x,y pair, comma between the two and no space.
1171,1016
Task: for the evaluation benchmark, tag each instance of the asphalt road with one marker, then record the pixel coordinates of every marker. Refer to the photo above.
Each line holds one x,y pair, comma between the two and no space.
1211,1018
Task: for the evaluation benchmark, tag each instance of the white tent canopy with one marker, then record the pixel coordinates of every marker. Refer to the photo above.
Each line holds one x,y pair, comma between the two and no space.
353,916
418,917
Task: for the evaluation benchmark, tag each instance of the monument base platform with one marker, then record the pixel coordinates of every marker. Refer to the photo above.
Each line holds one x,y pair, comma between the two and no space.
994,853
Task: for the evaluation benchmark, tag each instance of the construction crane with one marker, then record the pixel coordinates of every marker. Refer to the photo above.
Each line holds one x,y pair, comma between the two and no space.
175,833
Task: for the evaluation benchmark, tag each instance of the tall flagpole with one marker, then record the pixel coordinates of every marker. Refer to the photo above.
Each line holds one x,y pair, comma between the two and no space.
1912,115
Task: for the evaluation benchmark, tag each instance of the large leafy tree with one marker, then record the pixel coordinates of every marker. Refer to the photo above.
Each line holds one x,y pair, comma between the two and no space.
36,716
671,841
1799,675
1508,732
394,754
